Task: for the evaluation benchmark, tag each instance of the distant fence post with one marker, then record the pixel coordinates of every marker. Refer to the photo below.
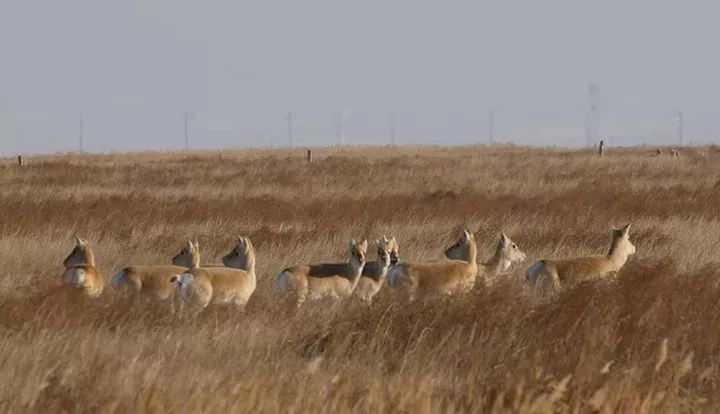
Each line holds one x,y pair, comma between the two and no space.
601,148
309,156
21,160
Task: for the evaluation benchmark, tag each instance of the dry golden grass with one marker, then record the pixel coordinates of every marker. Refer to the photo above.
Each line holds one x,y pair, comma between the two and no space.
648,342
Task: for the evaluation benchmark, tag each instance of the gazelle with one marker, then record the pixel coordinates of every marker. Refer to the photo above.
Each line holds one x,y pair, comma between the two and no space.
153,279
441,277
220,285
547,276
80,269
317,281
374,273
507,252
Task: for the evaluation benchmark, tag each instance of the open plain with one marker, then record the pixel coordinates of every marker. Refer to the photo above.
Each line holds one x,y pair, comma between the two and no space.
647,341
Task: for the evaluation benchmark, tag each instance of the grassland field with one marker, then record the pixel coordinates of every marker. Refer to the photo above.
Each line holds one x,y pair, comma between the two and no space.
648,341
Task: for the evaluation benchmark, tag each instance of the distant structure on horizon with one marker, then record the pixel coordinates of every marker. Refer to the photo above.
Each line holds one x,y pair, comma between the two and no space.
680,128
491,127
591,116
339,127
81,135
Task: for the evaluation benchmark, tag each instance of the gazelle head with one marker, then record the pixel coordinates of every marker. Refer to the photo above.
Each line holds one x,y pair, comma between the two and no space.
394,252
242,256
357,252
384,251
464,248
189,255
80,254
621,244
509,251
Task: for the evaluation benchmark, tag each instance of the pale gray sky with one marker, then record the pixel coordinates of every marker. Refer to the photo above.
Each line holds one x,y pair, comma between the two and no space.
133,67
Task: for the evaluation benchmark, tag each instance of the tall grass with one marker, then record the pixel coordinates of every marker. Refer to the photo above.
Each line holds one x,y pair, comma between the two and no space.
645,342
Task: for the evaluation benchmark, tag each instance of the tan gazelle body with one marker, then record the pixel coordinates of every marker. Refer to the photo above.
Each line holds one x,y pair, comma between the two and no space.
548,276
233,284
337,280
507,252
80,269
374,273
153,280
438,278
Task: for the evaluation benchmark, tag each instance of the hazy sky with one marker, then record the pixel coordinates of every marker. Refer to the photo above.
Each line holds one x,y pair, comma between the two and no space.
133,67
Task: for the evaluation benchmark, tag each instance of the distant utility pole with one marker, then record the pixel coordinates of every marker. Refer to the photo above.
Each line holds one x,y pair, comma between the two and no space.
289,119
393,121
591,116
680,128
339,135
186,121
491,127
186,118
82,133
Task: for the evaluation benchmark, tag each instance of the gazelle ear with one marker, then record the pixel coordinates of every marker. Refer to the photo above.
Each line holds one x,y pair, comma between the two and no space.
352,243
245,243
385,239
625,229
465,236
364,244
190,244
503,239
79,241
196,245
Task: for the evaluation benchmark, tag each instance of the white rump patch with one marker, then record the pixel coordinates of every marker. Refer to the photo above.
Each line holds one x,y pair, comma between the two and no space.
532,270
282,281
80,276
392,275
117,278
68,276
75,276
183,281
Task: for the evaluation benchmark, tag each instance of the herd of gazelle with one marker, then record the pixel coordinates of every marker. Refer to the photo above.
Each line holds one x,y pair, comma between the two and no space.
235,280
